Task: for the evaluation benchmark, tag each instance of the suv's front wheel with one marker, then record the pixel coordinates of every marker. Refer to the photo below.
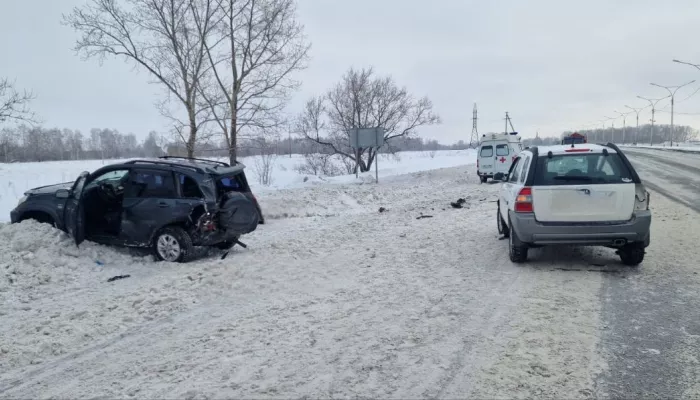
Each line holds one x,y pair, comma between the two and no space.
172,244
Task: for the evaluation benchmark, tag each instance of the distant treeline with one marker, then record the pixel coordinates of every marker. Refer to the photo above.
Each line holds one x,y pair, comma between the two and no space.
32,143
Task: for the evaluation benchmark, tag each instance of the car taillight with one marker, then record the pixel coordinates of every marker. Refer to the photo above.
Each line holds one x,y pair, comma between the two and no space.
641,203
523,202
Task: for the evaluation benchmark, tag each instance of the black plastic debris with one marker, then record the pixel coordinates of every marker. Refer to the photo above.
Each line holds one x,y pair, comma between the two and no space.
382,209
237,242
424,216
116,278
458,204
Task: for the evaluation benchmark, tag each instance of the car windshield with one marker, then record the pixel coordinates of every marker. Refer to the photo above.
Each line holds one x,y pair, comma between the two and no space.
573,169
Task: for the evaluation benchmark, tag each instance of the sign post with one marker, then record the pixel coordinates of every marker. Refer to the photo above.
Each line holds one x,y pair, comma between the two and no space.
363,138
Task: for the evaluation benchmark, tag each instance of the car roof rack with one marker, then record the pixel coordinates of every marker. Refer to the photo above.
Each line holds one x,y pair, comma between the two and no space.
202,160
169,164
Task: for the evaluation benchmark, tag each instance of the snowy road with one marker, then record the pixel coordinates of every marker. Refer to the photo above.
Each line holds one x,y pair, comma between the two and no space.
675,175
651,336
344,301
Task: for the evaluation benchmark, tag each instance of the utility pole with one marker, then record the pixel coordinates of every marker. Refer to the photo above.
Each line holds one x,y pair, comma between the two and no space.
624,124
653,103
672,93
474,139
509,122
636,111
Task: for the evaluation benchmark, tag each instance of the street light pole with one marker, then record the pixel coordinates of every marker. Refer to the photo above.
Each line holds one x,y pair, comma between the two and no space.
653,103
636,111
672,93
612,132
624,124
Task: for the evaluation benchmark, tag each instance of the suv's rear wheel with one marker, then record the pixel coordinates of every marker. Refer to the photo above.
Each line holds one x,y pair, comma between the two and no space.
172,244
517,250
632,254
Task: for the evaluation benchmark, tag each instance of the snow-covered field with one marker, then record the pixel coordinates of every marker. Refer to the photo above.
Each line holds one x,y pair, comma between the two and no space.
17,178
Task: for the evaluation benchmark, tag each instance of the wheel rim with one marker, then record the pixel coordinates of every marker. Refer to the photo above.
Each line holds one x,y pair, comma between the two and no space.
168,247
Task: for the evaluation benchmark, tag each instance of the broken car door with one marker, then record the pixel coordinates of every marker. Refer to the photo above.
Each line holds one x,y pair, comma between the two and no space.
74,214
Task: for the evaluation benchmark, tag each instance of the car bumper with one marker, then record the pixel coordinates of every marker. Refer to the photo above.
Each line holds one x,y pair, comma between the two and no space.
531,231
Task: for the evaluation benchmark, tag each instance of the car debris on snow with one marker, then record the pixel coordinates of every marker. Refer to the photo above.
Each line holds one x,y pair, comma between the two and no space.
458,204
116,278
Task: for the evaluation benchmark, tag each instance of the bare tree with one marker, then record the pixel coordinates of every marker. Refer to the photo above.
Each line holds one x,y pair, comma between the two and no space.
361,100
14,105
159,36
256,47
263,164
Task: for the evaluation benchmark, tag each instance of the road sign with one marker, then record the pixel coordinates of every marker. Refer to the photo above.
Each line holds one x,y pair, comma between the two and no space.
361,138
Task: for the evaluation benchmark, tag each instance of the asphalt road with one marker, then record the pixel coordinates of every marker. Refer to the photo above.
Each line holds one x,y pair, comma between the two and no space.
672,174
651,318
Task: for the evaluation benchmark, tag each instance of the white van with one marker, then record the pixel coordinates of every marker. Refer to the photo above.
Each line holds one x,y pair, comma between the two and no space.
496,152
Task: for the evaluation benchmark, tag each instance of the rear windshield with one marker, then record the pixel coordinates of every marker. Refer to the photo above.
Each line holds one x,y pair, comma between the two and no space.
581,169
231,183
486,151
502,150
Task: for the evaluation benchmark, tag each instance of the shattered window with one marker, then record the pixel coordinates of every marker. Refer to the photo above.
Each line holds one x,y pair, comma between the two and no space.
189,187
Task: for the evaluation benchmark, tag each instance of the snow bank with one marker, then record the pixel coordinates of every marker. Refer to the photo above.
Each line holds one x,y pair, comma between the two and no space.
682,149
16,178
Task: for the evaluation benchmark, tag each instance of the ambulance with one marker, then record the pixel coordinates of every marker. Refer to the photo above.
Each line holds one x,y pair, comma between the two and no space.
495,154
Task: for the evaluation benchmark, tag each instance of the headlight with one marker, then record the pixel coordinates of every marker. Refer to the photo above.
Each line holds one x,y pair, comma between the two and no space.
21,200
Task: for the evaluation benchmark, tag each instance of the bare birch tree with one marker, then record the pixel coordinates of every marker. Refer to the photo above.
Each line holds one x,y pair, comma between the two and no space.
14,105
254,49
362,100
159,36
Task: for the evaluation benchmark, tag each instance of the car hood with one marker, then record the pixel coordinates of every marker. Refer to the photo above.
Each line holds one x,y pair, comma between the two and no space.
50,188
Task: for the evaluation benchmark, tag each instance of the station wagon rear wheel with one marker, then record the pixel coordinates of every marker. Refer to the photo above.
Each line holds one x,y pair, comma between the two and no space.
517,250
501,224
172,244
631,254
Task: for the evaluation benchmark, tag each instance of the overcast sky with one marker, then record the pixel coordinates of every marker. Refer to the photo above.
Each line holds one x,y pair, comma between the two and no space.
553,64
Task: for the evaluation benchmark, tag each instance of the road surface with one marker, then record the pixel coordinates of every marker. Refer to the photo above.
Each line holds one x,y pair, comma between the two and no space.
651,319
334,299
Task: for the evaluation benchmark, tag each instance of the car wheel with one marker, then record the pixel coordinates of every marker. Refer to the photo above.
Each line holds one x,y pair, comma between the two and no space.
517,249
172,244
631,254
504,226
498,221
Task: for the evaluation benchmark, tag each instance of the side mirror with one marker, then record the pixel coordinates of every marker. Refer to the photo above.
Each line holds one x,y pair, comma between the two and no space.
505,178
63,193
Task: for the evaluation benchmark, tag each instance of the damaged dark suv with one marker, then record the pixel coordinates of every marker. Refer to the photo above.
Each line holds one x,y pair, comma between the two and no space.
170,204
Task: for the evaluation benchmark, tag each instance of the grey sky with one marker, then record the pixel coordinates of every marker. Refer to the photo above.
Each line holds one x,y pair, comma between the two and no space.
553,64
